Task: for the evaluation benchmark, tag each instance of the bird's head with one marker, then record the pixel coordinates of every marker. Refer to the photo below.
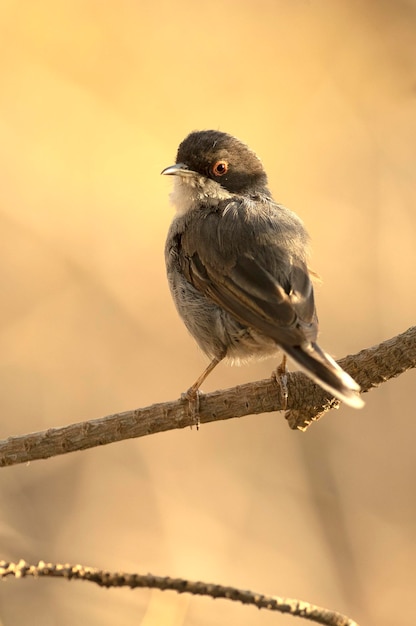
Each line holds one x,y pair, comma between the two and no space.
216,165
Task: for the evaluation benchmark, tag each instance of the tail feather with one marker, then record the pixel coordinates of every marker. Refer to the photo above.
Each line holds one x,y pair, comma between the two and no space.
326,372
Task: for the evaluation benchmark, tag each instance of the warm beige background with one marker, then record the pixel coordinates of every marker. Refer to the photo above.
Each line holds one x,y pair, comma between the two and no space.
94,99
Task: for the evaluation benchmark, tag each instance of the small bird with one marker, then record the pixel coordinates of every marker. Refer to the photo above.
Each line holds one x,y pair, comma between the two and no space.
237,264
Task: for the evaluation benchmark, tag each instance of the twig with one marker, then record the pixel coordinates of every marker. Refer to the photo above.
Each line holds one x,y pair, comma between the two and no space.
306,402
107,579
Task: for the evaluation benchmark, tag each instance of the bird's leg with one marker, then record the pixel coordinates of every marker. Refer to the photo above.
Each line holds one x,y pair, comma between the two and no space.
192,395
280,376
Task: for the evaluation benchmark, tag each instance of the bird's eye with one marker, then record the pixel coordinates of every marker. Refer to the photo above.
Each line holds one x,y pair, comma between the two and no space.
220,168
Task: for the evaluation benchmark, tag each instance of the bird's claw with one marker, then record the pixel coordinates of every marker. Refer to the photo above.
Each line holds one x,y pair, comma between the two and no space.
280,376
191,397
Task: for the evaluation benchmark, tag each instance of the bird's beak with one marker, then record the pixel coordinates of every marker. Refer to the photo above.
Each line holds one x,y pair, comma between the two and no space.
180,169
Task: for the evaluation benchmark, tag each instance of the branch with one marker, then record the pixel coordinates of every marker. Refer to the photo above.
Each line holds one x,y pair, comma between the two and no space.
306,403
107,579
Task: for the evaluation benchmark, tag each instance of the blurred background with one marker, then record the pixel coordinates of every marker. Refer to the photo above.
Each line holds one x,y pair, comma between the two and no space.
94,100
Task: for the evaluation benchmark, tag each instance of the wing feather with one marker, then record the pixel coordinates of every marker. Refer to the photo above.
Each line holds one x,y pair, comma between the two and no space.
251,274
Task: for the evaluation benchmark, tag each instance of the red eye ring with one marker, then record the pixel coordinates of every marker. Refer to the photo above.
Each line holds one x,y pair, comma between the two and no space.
220,168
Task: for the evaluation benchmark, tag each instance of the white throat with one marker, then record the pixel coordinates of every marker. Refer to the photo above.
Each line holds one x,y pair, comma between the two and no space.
188,192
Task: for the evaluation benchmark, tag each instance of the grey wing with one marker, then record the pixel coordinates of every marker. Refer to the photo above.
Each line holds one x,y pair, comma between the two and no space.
251,275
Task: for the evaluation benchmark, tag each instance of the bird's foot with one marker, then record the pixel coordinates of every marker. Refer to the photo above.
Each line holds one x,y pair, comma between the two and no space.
193,394
191,397
280,376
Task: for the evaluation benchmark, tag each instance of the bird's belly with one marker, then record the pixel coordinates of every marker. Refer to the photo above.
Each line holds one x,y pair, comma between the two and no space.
217,333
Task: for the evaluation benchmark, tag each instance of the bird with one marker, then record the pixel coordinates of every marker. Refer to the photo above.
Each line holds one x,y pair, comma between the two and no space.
237,265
